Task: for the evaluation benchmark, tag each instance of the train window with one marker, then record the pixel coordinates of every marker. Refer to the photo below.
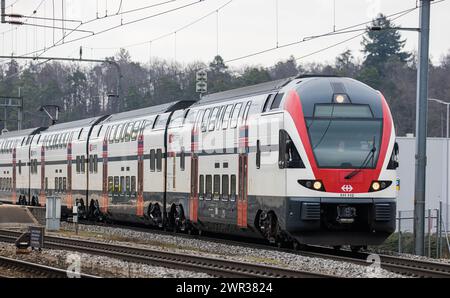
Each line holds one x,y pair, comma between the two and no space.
20,167
99,131
199,118
49,140
78,168
258,154
177,118
182,159
219,117
91,163
38,139
60,184
135,130
288,153
205,120
95,163
226,116
190,116
128,184
266,103
247,109
83,164
144,125
225,187
216,190
233,188
133,184
79,135
234,117
208,187
116,184
212,121
110,184
152,160
61,141
128,129
56,184
277,101
46,183
159,160
124,132
122,184
65,184
201,187
118,133
112,133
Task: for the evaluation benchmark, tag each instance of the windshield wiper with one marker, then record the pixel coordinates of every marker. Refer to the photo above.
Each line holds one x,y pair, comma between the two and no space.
370,156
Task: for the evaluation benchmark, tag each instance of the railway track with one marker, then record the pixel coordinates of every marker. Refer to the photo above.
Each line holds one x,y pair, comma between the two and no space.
212,266
403,266
33,269
399,265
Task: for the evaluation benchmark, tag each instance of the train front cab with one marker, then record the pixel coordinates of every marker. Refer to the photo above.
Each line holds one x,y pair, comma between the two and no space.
344,192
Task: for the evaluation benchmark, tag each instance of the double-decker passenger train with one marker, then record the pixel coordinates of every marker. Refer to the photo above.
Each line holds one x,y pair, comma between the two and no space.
309,160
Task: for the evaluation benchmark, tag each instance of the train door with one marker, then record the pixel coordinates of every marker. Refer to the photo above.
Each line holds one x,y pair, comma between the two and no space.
193,198
242,204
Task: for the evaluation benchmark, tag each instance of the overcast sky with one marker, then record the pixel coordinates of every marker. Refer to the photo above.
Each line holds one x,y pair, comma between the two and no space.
244,27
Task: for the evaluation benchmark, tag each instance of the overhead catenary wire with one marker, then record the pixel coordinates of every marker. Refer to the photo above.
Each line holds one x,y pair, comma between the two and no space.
59,42
344,30
168,33
43,50
345,40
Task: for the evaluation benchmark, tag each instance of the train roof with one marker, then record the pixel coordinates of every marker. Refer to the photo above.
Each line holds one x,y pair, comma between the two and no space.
258,89
74,124
152,110
21,133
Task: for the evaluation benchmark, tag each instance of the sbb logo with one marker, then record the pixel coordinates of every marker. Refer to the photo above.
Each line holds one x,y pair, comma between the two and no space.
347,188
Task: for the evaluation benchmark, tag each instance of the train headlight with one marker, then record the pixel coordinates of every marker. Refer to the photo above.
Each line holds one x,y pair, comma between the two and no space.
312,184
340,98
376,186
379,185
317,185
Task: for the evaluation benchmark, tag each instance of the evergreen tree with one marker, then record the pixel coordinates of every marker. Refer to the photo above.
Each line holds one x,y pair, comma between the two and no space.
381,45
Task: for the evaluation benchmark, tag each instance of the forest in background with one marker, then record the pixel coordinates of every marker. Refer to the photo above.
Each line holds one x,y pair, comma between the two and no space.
86,91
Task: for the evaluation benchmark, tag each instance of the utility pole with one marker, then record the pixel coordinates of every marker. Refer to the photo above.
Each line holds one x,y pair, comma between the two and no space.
3,11
421,128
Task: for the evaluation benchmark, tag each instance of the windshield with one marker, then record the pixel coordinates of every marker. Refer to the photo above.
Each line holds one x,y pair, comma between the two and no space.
344,143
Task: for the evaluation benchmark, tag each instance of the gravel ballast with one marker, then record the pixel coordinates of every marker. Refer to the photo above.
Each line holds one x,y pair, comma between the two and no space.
194,246
92,264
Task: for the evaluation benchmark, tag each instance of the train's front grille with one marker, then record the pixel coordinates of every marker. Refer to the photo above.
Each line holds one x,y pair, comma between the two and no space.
383,212
310,211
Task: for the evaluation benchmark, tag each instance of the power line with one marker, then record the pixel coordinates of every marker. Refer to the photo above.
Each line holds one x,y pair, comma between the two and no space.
344,30
348,39
171,32
330,46
114,27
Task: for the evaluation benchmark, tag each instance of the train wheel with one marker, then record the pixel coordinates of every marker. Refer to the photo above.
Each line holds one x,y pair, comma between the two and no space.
268,226
177,219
